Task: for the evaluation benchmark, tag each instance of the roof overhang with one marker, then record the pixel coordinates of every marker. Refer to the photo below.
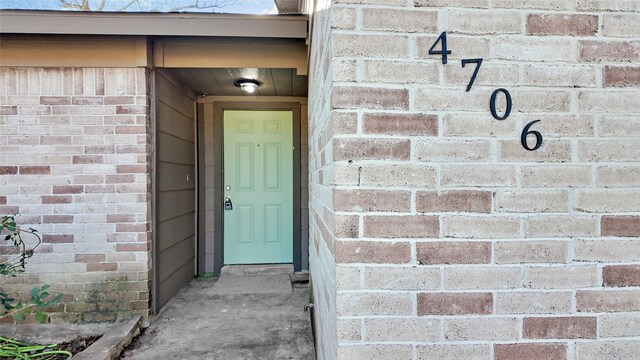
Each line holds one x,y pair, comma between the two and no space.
290,6
153,24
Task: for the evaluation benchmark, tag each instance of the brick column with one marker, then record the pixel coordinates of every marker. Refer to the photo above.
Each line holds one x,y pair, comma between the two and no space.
322,219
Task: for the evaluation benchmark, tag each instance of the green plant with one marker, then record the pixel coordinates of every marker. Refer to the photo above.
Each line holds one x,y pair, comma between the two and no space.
12,263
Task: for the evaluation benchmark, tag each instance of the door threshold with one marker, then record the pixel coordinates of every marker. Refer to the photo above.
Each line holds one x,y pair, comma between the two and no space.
257,269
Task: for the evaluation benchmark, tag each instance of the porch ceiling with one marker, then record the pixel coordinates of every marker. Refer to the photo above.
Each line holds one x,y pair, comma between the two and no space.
219,81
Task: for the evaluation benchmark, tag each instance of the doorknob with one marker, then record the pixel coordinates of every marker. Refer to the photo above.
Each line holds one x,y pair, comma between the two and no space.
228,205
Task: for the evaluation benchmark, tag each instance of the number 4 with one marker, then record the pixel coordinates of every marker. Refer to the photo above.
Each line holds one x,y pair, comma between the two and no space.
444,52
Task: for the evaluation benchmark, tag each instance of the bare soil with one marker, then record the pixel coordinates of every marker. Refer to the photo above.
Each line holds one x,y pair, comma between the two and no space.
135,343
76,345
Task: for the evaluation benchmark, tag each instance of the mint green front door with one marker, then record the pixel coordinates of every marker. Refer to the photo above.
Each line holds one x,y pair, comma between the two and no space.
258,186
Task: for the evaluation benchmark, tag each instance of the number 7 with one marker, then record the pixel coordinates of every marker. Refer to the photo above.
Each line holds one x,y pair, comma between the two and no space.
475,72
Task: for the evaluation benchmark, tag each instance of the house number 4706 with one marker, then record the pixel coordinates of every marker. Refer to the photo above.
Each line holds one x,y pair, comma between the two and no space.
444,52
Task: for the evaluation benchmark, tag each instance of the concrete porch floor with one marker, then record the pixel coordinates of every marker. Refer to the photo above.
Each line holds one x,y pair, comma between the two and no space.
250,316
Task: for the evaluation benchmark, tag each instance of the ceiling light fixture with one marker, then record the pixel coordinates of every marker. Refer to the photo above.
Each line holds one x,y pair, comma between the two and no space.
247,85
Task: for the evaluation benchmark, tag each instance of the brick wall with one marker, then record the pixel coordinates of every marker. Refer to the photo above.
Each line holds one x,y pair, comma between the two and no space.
74,149
321,126
450,240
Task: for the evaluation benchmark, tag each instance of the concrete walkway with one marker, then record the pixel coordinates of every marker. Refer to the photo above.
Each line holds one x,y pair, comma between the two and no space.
236,317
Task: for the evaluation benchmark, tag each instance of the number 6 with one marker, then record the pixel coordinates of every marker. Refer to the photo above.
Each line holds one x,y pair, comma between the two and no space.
526,132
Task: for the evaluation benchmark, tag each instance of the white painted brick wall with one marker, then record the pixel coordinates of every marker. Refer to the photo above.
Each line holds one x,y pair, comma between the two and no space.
74,150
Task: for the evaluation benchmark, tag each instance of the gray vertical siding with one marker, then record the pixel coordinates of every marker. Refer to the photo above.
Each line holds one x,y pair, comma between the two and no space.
176,189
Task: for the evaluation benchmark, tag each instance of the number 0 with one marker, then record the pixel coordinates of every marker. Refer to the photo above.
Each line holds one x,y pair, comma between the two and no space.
492,103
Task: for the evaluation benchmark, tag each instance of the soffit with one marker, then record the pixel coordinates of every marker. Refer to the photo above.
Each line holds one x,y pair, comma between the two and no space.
219,81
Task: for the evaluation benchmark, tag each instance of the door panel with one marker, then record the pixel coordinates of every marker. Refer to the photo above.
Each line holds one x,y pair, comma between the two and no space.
272,221
244,165
258,177
272,173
